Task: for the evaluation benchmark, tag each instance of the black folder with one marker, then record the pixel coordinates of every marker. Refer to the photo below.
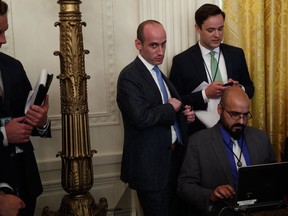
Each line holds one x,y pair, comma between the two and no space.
42,90
38,94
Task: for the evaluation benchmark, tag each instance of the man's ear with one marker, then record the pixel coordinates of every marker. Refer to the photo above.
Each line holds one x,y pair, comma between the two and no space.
138,44
197,28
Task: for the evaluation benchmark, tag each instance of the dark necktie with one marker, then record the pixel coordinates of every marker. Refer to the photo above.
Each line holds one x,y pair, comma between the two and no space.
165,99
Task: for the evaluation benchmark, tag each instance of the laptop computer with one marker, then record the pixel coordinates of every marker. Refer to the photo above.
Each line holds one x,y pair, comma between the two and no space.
261,187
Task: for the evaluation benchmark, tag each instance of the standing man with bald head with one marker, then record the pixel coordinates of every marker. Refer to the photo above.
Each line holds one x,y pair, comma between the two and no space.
210,168
155,124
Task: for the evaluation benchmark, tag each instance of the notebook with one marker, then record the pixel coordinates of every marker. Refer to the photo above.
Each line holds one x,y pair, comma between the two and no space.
262,187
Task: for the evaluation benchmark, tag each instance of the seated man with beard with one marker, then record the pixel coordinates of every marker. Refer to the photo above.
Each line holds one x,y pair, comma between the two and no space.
209,172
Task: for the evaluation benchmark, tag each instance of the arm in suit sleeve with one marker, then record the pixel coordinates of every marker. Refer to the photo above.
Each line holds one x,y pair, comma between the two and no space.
140,104
237,68
183,77
259,146
189,179
245,78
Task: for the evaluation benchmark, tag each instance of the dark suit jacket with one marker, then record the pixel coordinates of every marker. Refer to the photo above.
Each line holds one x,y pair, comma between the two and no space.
206,164
16,89
188,72
147,128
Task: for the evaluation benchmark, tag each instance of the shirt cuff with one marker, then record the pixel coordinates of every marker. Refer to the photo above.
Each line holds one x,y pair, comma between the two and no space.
43,130
205,98
5,140
5,187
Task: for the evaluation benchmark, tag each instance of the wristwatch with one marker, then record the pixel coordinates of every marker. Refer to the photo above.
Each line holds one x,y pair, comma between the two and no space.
6,190
45,126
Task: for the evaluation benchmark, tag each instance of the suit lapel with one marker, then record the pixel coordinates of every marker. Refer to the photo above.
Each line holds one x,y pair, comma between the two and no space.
196,56
7,87
146,75
228,59
219,149
171,88
251,146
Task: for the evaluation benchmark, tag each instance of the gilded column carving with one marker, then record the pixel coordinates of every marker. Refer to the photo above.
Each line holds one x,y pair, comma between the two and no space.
77,169
76,154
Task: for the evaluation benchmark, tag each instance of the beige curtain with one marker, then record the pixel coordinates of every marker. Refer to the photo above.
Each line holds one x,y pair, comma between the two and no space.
260,27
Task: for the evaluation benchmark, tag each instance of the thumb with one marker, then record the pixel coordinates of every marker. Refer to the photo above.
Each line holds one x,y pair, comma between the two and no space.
22,205
19,119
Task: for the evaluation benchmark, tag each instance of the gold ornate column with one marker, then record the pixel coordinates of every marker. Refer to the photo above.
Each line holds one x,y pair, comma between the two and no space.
77,170
76,154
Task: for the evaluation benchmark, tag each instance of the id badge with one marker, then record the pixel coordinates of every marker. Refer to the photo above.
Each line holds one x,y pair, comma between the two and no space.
4,121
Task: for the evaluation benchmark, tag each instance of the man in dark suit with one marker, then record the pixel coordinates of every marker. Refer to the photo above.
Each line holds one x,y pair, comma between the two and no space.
198,79
210,167
155,128
18,167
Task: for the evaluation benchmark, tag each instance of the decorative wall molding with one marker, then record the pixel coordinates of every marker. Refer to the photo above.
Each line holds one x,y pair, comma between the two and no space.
95,119
105,169
112,115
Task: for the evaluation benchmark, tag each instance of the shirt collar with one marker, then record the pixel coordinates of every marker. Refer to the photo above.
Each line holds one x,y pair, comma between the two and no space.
147,64
206,51
226,135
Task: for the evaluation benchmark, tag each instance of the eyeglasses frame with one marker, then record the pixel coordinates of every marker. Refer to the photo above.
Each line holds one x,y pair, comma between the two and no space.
239,115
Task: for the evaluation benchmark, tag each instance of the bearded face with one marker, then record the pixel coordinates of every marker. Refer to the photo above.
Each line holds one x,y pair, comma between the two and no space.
235,130
235,127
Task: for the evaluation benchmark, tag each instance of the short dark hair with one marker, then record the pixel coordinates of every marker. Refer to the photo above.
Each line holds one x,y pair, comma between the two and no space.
205,11
3,8
140,29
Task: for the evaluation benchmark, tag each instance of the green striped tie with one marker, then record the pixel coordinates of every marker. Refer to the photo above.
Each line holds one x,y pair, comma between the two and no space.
216,75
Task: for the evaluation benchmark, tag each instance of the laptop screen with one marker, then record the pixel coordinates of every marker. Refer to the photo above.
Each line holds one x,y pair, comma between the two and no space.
262,184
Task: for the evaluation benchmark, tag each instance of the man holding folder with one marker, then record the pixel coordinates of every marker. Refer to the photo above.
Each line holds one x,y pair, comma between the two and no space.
18,166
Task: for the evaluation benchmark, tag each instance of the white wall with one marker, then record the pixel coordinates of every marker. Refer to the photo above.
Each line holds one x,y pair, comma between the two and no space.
109,36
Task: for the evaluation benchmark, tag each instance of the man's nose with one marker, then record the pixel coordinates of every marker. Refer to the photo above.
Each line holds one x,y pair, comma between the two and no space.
216,32
161,50
242,119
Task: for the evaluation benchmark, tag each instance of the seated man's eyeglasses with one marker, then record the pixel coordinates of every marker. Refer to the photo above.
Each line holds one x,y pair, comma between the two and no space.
236,115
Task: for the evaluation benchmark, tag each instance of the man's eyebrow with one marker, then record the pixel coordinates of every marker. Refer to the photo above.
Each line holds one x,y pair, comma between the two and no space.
156,43
216,28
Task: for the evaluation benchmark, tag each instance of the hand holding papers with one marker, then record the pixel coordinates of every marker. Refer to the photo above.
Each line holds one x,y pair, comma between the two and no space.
37,95
210,116
202,86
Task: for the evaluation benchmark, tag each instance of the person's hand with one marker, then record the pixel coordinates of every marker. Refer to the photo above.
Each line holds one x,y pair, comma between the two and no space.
189,113
215,90
10,205
235,82
175,103
17,131
37,116
222,192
